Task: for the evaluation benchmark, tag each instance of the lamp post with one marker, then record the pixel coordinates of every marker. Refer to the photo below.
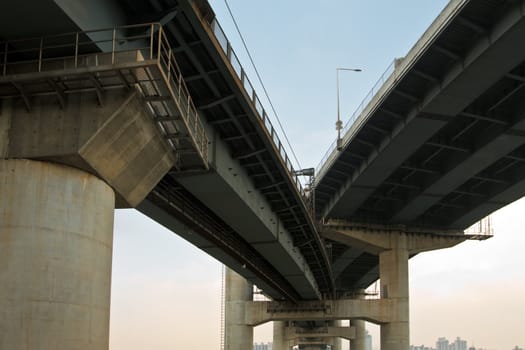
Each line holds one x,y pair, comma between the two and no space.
339,123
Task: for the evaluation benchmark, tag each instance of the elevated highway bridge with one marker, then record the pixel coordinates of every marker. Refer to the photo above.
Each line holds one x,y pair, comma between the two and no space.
164,114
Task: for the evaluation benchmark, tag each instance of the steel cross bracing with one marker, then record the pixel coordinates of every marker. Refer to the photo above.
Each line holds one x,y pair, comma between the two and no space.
137,57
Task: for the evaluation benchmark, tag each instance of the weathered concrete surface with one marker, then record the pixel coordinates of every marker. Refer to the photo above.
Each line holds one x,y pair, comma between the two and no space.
280,336
337,340
238,335
336,330
359,341
393,270
377,241
116,141
378,310
56,233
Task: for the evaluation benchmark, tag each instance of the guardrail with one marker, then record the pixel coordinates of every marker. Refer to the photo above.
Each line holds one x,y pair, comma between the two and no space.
119,45
483,228
256,103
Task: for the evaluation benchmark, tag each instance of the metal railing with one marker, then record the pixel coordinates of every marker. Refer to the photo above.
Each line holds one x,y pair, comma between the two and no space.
357,113
482,229
225,44
71,53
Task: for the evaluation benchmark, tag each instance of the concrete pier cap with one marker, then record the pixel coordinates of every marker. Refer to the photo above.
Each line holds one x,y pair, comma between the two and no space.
117,141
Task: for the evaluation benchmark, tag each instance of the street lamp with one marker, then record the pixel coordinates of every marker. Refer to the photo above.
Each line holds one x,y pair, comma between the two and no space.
339,123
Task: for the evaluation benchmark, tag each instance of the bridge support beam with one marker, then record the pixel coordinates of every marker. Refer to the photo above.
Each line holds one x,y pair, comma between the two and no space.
56,234
238,291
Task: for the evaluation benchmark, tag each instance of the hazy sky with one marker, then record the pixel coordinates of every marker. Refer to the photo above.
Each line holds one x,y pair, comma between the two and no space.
166,293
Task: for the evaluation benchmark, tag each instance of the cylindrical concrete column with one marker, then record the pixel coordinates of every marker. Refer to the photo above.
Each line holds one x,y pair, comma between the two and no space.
337,341
279,336
238,336
393,266
56,234
359,342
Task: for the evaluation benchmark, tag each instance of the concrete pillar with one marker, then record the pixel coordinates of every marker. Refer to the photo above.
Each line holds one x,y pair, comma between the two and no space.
279,336
337,341
238,336
359,342
393,266
56,234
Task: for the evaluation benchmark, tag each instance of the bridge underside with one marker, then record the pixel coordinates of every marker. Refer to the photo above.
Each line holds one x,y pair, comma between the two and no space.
265,232
442,144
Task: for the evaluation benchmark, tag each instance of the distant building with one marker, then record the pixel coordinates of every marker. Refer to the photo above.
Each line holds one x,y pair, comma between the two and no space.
458,344
368,341
442,344
262,346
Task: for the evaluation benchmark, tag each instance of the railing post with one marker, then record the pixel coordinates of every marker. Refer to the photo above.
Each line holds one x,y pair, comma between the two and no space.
228,51
159,44
113,45
180,86
76,50
5,58
40,54
188,107
169,64
151,41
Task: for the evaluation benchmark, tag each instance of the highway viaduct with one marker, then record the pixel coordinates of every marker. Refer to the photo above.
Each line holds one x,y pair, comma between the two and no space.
162,117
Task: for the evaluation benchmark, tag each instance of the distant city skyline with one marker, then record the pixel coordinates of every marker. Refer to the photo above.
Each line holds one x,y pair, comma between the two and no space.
442,343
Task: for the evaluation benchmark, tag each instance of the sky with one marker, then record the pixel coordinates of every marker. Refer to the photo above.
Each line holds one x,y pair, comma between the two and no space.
166,293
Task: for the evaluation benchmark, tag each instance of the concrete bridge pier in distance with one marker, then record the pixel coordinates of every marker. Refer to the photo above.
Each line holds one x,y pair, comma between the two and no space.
394,247
238,291
359,342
